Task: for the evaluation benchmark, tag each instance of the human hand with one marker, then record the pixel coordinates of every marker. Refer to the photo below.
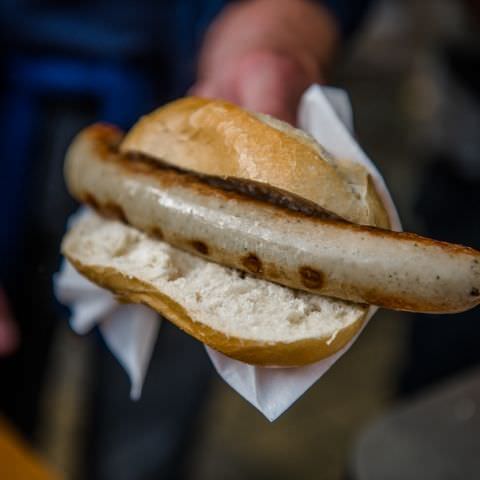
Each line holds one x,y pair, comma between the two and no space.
9,336
263,54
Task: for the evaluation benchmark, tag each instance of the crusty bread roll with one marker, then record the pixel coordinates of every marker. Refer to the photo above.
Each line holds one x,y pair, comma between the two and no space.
226,184
217,138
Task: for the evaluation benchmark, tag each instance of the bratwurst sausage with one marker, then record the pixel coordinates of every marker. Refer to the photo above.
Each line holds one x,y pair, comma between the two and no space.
299,249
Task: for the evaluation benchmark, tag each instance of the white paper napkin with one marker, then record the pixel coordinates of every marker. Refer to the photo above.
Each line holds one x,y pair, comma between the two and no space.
130,331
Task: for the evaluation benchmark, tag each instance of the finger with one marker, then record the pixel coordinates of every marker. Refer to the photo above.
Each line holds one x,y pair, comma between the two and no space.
9,336
220,88
272,84
203,89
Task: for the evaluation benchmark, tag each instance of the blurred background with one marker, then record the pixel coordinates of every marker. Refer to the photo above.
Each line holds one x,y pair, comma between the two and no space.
403,403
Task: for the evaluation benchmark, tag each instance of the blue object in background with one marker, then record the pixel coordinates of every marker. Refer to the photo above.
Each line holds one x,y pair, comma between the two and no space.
121,93
92,49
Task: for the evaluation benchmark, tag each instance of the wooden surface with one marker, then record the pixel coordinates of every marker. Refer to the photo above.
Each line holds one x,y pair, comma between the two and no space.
18,461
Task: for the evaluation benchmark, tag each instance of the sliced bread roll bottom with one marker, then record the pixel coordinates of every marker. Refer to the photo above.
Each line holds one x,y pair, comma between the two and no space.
249,319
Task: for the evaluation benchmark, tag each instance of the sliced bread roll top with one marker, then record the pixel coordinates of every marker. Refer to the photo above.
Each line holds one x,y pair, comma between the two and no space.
217,138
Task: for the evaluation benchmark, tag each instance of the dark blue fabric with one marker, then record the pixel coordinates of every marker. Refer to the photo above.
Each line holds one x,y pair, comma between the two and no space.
127,27
107,49
16,128
122,94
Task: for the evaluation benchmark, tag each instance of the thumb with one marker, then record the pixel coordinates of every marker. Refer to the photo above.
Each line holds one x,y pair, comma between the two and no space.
272,84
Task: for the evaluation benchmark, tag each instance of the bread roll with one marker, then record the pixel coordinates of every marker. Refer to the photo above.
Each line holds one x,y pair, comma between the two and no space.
217,138
252,193
249,319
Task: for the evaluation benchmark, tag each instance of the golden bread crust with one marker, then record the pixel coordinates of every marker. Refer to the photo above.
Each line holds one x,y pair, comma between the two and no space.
280,354
217,138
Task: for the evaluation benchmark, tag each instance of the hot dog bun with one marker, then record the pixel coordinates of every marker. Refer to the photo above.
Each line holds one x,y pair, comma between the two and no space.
276,192
217,138
249,319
